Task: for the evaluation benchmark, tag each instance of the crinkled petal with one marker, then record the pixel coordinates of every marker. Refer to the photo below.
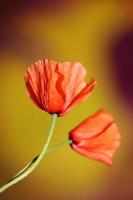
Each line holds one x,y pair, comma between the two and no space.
33,86
40,82
65,82
82,96
73,82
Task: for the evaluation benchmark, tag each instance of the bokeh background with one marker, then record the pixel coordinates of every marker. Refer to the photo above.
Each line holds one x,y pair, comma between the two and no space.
97,33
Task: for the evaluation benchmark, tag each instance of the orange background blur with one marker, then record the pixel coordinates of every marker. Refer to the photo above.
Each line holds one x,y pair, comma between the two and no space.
98,34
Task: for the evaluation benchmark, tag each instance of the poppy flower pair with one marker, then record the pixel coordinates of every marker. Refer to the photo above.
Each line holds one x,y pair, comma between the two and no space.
56,88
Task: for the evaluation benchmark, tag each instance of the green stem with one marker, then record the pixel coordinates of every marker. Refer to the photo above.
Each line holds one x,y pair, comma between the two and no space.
30,167
57,146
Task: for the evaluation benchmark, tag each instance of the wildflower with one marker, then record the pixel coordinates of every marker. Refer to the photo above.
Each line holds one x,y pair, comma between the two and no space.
97,137
57,87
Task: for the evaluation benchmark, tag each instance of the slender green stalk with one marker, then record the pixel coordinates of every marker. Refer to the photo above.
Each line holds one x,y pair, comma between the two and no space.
30,167
57,146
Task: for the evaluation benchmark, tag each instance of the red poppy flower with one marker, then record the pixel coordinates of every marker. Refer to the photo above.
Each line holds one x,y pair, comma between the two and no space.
97,137
57,87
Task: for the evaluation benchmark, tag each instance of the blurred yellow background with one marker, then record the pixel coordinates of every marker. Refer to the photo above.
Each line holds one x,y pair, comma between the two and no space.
99,34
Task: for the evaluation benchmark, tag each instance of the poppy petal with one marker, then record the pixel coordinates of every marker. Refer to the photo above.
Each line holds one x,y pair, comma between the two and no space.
82,96
66,81
85,92
32,84
73,82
